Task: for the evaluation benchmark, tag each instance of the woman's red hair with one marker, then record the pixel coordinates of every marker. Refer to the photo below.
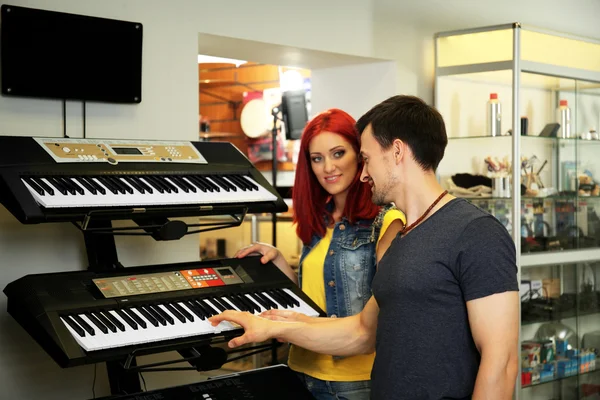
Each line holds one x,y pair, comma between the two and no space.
309,197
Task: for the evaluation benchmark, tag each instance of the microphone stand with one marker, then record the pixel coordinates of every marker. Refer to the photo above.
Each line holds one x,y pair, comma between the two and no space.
274,132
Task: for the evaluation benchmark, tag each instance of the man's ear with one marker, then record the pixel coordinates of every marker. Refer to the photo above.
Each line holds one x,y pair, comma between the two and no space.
399,150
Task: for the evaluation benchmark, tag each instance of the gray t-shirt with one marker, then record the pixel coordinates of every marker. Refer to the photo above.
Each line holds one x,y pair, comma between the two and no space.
425,349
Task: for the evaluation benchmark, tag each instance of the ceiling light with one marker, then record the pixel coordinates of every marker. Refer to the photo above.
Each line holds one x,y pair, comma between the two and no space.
222,60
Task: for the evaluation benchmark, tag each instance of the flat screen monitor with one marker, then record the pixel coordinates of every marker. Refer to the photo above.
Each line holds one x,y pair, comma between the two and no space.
294,112
47,54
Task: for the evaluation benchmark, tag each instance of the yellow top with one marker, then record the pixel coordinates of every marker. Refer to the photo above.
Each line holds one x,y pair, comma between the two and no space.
321,366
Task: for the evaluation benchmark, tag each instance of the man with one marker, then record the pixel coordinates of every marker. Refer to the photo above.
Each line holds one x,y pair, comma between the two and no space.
444,317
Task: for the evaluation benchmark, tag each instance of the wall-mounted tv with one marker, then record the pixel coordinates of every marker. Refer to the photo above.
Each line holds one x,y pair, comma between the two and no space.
47,54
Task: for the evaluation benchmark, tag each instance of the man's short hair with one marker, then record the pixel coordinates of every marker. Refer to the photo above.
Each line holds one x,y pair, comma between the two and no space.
411,120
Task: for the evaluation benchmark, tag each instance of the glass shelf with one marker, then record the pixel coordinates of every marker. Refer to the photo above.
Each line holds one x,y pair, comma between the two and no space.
557,197
583,142
556,225
525,137
556,379
559,315
580,142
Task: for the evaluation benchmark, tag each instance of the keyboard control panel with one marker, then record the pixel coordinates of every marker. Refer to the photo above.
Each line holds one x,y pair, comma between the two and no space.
112,151
131,285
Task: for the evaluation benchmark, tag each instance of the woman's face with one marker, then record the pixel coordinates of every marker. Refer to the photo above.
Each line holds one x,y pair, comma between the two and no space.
334,161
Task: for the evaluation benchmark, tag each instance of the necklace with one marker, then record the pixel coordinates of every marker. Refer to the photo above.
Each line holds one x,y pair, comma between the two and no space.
406,229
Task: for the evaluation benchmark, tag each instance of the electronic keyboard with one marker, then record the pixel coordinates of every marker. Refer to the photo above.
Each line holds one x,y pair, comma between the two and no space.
87,317
64,180
275,382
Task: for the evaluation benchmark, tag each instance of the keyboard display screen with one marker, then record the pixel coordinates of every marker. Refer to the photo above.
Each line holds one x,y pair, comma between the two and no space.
131,285
127,150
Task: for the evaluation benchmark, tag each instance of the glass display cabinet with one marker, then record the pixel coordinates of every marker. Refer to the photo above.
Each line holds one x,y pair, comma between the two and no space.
522,111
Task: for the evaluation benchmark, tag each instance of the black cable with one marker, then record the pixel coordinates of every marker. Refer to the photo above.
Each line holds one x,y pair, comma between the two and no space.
64,118
94,383
144,381
84,119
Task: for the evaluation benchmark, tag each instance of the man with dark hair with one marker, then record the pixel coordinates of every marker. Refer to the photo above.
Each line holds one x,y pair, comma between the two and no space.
444,316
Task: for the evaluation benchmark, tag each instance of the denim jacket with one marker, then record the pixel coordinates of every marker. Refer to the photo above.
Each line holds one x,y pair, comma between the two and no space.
350,265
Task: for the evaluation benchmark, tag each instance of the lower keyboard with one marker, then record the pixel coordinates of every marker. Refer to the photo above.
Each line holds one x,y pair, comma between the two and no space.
174,320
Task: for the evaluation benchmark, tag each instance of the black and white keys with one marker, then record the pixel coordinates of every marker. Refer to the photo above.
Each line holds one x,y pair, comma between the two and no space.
144,190
155,322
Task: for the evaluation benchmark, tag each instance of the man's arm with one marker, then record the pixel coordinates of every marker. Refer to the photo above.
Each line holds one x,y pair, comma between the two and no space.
339,337
494,322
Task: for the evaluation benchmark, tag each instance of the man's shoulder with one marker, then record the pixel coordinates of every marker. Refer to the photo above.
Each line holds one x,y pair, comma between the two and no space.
462,217
461,212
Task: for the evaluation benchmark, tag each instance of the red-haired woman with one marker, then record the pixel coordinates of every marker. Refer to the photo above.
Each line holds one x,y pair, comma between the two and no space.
344,235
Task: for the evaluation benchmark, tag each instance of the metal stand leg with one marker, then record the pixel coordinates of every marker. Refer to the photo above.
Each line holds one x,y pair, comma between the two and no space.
102,256
122,381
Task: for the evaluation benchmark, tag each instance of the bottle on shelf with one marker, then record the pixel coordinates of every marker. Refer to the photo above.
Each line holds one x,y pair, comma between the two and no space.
494,115
563,117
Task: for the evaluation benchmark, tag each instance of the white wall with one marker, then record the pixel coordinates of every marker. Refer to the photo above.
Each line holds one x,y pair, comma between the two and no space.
169,104
168,111
354,89
396,36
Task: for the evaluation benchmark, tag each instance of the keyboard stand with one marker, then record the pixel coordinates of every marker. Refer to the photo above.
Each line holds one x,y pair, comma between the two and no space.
154,223
123,374
101,249
102,256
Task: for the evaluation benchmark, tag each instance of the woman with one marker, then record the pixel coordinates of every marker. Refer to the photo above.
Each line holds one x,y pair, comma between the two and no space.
344,235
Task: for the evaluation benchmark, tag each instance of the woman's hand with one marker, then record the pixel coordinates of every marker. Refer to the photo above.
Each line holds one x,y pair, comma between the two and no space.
269,253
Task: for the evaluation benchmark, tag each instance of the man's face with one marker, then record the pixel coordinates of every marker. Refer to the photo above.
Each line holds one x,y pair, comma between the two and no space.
377,170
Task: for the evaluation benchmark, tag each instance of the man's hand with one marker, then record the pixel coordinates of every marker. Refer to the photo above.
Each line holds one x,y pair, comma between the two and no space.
256,329
334,336
287,316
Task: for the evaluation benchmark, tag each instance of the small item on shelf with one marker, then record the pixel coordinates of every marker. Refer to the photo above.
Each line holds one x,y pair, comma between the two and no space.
467,185
563,117
494,165
592,134
499,172
204,124
524,126
533,182
587,186
550,130
501,186
547,351
561,348
530,354
494,115
497,189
